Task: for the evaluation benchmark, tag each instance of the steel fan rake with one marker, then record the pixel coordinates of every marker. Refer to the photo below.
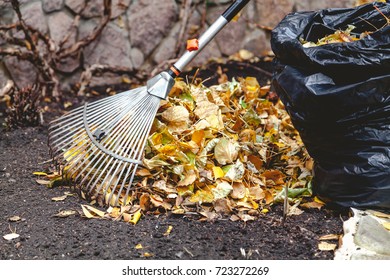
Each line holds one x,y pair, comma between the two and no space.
100,146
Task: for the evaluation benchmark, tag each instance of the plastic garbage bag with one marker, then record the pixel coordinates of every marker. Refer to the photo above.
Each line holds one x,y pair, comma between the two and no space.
338,97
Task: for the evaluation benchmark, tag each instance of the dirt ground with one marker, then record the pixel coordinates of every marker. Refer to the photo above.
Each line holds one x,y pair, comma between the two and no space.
45,236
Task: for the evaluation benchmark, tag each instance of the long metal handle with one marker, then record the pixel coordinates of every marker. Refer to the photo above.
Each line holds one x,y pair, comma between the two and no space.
207,36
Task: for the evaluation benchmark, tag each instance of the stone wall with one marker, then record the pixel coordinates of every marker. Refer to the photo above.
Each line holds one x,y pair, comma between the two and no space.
144,33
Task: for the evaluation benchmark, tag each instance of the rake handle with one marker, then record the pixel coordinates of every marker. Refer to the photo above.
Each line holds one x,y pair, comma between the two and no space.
207,36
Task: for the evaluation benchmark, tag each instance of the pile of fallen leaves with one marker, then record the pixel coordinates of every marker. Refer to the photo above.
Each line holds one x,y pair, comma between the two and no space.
346,36
228,149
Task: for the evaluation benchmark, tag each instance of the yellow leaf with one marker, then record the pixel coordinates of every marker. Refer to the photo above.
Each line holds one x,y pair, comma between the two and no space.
185,190
316,199
138,246
325,246
202,196
386,225
126,80
91,212
264,211
198,137
218,172
245,55
28,45
168,232
38,173
148,255
136,217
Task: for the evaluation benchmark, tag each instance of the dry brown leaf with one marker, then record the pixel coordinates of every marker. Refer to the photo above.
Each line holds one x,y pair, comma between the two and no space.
226,151
205,109
223,206
91,212
60,198
11,236
14,219
325,246
65,213
312,204
329,237
176,114
239,191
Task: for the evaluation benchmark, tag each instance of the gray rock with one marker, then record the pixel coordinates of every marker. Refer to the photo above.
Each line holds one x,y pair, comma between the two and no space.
166,50
95,8
60,26
310,5
270,13
209,52
22,72
149,22
34,16
112,48
257,42
69,64
373,236
52,5
119,7
230,38
137,58
4,77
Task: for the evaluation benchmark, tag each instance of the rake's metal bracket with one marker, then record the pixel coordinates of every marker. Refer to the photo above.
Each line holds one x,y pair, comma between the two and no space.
160,85
100,146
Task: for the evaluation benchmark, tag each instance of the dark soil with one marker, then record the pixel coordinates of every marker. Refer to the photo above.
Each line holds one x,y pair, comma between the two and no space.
44,236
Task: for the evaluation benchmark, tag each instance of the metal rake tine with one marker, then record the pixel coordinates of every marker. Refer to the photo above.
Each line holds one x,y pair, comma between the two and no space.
104,170
128,144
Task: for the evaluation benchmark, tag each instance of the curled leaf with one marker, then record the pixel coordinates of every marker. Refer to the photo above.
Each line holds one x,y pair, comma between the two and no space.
226,151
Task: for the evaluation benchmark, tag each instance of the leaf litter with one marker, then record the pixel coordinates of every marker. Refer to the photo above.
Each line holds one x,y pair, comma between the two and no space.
213,151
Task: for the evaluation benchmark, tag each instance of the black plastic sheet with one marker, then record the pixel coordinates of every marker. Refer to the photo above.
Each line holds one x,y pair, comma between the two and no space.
338,97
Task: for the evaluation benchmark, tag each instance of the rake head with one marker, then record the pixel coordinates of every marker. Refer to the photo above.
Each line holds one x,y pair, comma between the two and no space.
99,146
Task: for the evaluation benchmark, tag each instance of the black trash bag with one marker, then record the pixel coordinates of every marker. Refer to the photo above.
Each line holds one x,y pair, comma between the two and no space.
338,97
